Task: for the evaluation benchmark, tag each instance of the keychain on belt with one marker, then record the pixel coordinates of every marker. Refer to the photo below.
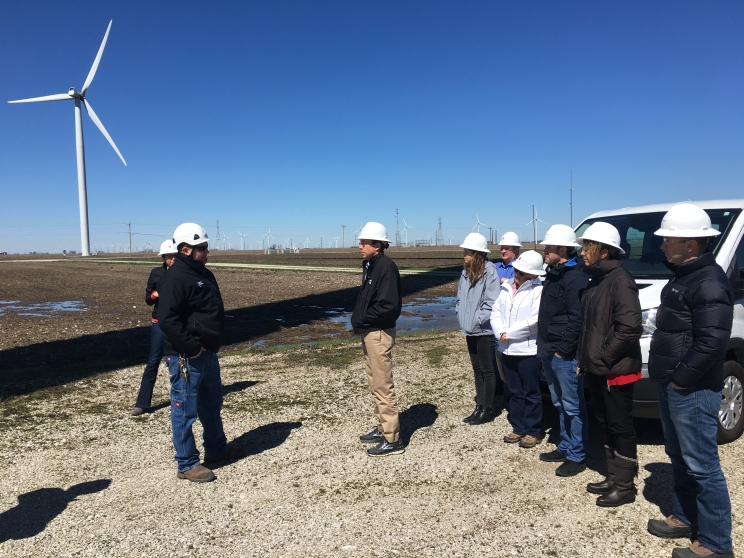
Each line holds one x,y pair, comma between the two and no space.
183,368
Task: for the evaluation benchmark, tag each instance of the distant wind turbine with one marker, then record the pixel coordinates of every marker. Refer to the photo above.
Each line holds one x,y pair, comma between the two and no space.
405,230
268,239
242,240
335,238
79,98
478,224
534,223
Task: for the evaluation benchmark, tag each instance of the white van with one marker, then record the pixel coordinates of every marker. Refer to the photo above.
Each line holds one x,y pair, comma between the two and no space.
644,260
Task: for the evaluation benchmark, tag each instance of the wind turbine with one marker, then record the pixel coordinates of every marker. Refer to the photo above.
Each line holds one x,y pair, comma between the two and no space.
242,240
307,242
478,224
268,239
336,240
534,223
405,230
450,240
358,231
79,98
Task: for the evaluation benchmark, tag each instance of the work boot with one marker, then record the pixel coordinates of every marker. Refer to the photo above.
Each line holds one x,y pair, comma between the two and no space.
696,550
604,486
555,456
570,468
198,474
137,411
623,489
230,454
669,528
529,441
469,419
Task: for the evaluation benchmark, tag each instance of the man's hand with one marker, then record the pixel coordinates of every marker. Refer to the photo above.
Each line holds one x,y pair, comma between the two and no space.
197,355
560,356
503,338
504,279
675,386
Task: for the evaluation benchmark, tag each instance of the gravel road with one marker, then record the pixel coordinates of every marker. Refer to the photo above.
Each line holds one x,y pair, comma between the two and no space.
83,478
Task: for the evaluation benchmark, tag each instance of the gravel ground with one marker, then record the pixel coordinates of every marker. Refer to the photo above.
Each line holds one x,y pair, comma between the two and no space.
83,478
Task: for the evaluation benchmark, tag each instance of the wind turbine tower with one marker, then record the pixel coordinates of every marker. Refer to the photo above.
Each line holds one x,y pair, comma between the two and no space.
397,229
534,223
80,99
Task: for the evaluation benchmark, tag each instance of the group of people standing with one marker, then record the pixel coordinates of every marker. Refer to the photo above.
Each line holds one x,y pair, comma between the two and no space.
572,315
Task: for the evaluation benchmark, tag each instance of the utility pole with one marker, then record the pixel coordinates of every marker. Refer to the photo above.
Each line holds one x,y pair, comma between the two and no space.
321,242
343,244
440,235
397,230
490,235
130,239
570,202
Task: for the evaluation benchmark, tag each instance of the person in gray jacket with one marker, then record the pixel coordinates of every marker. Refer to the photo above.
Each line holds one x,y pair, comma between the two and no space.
478,289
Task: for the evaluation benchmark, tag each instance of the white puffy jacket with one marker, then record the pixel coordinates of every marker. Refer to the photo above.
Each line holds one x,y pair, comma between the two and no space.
516,315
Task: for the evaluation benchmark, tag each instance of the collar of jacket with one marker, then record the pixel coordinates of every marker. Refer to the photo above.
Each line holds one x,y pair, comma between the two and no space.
567,265
602,267
190,262
508,285
680,270
372,261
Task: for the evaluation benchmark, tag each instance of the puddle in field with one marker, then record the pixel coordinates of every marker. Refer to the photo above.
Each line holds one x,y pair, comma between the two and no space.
41,310
419,315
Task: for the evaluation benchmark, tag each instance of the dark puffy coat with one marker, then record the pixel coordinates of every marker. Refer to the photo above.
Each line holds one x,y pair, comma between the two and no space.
379,302
693,326
152,285
559,320
609,342
190,312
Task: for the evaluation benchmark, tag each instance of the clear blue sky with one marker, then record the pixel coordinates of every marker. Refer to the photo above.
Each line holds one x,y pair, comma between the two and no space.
302,116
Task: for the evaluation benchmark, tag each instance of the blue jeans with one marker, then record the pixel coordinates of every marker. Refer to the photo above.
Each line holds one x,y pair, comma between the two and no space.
144,397
689,418
200,397
525,406
567,394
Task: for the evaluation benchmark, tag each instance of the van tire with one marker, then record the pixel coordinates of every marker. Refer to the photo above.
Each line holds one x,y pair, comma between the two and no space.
732,402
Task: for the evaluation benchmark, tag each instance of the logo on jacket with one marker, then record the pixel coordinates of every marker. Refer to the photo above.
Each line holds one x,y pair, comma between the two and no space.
200,283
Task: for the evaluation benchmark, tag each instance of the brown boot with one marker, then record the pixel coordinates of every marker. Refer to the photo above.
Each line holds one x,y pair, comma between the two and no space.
198,474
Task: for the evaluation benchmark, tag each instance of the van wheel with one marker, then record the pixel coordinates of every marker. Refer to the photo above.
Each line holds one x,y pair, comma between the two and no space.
730,416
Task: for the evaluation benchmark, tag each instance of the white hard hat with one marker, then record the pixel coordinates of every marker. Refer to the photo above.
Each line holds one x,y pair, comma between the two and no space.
686,220
167,247
604,233
560,235
477,242
189,233
529,262
374,231
509,239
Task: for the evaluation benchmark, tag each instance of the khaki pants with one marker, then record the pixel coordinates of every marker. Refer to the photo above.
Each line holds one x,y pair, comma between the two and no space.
378,356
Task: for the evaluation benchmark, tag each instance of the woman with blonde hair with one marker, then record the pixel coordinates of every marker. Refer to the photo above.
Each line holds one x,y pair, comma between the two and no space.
514,321
476,293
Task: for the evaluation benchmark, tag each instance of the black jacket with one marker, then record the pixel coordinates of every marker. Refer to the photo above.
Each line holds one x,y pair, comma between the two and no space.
152,285
191,311
693,326
609,342
379,302
559,319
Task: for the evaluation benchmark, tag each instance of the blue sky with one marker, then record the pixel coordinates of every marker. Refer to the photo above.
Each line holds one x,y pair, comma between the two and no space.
302,116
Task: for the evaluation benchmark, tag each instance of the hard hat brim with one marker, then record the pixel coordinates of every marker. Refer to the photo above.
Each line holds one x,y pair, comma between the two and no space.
687,233
602,243
475,248
516,264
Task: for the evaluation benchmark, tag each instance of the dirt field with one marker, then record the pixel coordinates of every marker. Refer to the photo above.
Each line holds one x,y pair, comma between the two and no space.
113,332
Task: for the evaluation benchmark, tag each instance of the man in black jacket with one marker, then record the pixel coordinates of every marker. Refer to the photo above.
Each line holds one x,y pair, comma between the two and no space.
558,328
192,316
377,309
687,355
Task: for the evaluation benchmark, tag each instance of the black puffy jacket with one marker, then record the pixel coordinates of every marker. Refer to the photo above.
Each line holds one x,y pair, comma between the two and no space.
190,312
559,320
379,302
609,342
693,326
152,286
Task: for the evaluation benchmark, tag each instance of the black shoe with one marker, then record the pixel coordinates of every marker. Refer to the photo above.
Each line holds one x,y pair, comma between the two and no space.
661,528
570,468
386,448
469,419
482,417
232,453
600,487
374,436
617,497
139,411
689,553
554,456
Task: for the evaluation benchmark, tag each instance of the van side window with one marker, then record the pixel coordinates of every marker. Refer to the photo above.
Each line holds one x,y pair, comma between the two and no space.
736,271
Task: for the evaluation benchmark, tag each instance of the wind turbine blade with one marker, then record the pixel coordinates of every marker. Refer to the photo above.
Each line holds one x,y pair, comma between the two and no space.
93,68
98,123
58,97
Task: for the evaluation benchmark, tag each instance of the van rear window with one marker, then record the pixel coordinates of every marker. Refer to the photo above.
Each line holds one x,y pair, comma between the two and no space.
643,257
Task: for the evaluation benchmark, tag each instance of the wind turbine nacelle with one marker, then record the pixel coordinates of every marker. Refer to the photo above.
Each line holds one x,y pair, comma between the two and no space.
71,92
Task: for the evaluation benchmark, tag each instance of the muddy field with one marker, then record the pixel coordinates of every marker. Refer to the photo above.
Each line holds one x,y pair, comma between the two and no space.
105,324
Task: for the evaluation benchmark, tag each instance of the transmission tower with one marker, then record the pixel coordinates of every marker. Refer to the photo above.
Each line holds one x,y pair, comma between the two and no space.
439,241
397,230
218,235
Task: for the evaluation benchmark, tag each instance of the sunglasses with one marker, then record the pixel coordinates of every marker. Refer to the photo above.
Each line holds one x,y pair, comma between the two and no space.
201,247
